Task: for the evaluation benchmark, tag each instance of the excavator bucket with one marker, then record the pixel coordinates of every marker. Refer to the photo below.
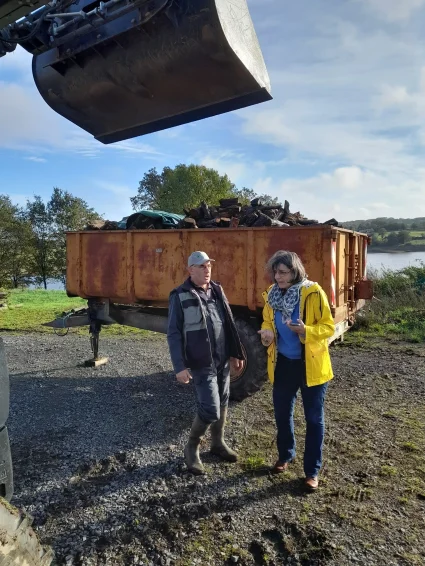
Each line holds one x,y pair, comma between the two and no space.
161,65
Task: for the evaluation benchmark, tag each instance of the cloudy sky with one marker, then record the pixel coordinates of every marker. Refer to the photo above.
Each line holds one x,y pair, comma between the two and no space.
344,135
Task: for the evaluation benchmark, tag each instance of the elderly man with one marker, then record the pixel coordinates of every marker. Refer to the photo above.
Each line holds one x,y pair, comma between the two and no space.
204,342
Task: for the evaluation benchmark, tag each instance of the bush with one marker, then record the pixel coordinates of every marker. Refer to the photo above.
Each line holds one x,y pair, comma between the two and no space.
398,307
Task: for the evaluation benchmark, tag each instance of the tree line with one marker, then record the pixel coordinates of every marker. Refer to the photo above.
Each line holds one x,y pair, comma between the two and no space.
32,237
385,225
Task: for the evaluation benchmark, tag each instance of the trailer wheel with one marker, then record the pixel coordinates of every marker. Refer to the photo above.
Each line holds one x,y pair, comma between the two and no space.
253,374
18,541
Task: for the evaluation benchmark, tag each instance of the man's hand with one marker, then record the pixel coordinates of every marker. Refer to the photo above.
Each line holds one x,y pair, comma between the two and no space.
236,364
267,337
184,376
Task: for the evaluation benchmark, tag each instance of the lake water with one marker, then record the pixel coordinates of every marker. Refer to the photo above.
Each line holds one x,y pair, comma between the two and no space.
52,285
394,261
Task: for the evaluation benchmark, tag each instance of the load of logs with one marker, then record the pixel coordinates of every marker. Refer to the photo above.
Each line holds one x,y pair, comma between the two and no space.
231,214
102,225
228,214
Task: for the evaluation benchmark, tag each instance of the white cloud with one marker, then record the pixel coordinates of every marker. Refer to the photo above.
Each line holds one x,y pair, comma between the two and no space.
18,61
116,188
36,159
348,177
321,197
394,10
350,96
116,204
29,124
234,167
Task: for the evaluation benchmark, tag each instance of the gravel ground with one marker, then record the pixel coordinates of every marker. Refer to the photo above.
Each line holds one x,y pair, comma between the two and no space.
98,462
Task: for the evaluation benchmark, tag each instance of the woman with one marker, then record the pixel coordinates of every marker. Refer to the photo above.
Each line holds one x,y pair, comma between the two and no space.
297,323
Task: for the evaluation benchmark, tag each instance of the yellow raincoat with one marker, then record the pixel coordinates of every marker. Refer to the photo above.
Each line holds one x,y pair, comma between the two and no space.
319,326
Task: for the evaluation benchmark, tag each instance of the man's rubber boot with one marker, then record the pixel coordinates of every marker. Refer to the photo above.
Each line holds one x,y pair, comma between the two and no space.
218,446
191,450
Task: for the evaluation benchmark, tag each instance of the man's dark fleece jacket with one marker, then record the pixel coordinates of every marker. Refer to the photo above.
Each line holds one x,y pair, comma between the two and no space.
194,348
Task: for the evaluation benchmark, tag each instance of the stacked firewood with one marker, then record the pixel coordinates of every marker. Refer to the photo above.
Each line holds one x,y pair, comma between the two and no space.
231,214
102,225
228,214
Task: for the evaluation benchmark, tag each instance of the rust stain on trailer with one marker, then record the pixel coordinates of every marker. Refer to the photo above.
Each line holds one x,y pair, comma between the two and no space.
103,266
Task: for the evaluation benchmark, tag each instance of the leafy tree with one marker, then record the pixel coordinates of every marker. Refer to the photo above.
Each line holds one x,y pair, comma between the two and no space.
403,236
149,190
245,196
185,186
43,241
66,213
15,238
396,238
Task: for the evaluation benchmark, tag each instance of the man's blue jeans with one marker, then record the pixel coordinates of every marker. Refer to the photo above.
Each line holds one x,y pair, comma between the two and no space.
288,379
212,391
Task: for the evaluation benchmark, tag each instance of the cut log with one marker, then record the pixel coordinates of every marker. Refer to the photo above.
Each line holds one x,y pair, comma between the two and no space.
189,222
230,210
195,213
110,225
95,225
262,220
273,213
206,212
277,207
225,202
332,222
256,202
251,219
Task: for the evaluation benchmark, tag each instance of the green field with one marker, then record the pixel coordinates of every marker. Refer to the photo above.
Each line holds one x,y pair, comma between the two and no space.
28,310
414,238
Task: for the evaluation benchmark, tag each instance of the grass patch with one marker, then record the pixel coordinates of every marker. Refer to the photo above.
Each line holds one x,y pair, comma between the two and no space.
398,308
388,471
28,310
253,462
410,447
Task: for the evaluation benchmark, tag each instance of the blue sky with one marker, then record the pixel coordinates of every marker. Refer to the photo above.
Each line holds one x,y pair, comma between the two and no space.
344,135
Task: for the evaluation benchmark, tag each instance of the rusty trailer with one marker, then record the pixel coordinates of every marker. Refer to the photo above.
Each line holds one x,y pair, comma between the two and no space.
127,275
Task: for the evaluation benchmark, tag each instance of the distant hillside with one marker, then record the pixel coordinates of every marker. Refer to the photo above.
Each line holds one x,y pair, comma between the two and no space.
392,234
385,224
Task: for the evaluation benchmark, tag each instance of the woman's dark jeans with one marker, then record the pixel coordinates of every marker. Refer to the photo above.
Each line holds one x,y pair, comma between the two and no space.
288,379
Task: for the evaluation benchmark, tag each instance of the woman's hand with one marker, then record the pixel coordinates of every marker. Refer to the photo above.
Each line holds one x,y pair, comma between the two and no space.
267,337
298,328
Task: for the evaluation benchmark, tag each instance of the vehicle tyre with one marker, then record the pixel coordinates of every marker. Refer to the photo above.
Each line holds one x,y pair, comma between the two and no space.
253,375
18,541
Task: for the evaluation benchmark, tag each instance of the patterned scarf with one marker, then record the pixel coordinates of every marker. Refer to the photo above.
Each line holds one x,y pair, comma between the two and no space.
286,302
